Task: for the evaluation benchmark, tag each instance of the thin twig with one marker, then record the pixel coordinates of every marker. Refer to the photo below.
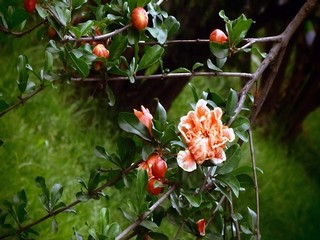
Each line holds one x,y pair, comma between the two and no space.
236,223
22,100
170,75
69,206
145,214
215,210
20,34
256,187
251,41
68,38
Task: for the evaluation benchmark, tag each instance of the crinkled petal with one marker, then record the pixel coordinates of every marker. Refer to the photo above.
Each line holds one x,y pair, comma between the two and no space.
228,133
185,161
219,156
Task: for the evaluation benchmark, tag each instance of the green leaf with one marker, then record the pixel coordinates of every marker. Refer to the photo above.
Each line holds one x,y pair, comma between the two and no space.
181,70
141,182
256,51
231,102
56,193
82,196
171,24
233,155
23,73
94,180
158,236
113,230
219,50
118,46
85,27
160,33
110,95
160,113
130,123
79,64
48,61
18,17
3,105
62,13
240,27
127,149
230,181
104,219
197,65
241,124
151,56
149,225
252,219
100,152
212,66
45,196
76,4
194,199
194,92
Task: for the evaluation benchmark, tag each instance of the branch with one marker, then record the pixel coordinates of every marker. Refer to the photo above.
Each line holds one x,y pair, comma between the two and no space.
20,34
22,100
284,38
256,187
68,38
170,75
215,210
111,182
145,214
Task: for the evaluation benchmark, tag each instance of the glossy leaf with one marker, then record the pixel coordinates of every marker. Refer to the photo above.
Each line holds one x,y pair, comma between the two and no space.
126,149
194,92
160,113
76,4
181,70
118,45
56,193
219,50
94,180
158,236
23,73
233,155
231,181
48,61
3,105
79,64
130,123
151,56
194,199
212,66
171,24
231,102
197,65
149,225
110,95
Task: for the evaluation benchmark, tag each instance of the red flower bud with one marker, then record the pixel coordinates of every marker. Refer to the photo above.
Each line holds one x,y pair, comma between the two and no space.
218,36
144,117
202,227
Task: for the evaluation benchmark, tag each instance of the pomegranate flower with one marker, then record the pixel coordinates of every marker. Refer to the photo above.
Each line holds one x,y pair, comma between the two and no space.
147,164
205,136
144,117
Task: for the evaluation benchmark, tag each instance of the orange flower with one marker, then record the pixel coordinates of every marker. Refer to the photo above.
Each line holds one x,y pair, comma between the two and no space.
202,227
144,117
205,136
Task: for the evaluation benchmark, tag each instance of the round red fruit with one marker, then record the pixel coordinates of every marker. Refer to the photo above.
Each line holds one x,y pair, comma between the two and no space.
30,5
159,168
218,36
152,189
139,18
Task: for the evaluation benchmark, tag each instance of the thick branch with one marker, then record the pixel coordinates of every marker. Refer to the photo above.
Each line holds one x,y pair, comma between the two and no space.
274,54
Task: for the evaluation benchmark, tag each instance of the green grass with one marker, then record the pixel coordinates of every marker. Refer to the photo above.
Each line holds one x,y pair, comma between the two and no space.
54,135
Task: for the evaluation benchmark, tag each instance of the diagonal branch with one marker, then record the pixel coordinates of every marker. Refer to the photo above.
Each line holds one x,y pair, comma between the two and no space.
274,55
146,214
